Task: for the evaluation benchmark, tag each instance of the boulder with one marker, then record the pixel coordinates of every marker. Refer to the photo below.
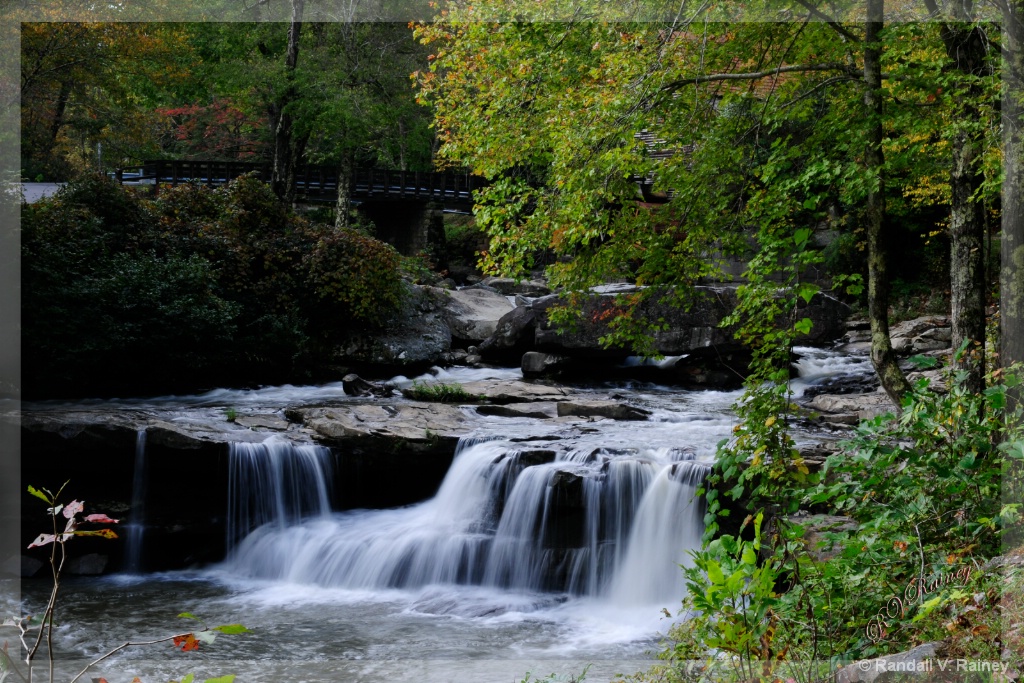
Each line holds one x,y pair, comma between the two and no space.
513,391
91,564
354,385
537,364
539,411
472,314
511,287
927,333
609,409
862,406
402,427
688,325
418,336
513,335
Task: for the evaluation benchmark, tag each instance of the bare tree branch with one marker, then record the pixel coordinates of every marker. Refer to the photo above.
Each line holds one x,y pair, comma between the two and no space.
754,75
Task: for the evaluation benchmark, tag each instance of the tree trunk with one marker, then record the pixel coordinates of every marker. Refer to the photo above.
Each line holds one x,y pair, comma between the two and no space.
343,209
1011,304
283,173
965,46
882,355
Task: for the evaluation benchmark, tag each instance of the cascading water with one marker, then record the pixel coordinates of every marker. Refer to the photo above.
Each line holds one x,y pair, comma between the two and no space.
135,530
276,483
581,523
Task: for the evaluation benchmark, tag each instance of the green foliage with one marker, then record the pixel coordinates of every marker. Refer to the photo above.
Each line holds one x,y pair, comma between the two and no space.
439,392
557,678
731,603
354,276
194,287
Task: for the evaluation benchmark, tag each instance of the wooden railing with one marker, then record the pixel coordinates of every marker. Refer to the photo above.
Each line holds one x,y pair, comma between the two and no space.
317,183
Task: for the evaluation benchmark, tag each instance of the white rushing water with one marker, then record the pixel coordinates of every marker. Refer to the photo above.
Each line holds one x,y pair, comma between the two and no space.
136,528
545,548
595,523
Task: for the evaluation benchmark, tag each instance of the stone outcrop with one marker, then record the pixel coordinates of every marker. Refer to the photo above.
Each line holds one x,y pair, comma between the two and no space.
414,428
417,336
510,287
471,314
612,410
922,335
713,358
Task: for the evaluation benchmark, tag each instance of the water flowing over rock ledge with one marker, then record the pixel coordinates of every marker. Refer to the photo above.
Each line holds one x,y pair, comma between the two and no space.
384,453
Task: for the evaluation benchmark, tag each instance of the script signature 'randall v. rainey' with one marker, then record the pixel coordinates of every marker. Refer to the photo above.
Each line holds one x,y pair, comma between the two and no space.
917,588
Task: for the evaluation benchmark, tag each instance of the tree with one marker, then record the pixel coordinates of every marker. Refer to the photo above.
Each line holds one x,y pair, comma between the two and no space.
90,85
1012,236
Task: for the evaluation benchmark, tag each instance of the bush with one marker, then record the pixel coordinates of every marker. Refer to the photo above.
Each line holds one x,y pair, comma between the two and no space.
198,286
355,277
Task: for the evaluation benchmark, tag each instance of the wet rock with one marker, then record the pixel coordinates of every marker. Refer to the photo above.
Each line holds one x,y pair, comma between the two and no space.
566,519
530,458
92,564
539,411
473,313
538,364
863,406
513,335
412,428
915,664
264,422
610,409
513,391
354,385
844,384
510,287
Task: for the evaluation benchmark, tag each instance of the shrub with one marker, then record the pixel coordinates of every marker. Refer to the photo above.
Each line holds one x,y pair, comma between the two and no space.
355,277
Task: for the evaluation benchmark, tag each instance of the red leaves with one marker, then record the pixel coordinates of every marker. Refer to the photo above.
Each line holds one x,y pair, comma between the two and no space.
71,512
99,517
186,642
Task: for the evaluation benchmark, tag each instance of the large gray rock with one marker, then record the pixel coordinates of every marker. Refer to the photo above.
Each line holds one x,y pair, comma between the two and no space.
418,335
409,427
510,287
688,325
513,334
613,410
512,391
472,314
538,364
927,333
863,406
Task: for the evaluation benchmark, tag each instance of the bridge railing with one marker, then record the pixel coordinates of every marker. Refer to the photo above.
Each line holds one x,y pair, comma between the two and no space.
318,182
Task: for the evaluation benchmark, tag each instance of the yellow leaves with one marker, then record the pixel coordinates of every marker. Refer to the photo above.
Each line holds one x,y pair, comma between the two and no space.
770,421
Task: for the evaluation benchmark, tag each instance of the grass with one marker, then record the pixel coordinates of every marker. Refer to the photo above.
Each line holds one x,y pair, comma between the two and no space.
439,392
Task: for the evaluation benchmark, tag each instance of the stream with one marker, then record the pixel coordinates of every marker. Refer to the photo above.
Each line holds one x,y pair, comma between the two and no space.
541,552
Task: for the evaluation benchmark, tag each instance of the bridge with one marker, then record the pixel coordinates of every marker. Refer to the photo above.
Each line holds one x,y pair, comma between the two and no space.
319,184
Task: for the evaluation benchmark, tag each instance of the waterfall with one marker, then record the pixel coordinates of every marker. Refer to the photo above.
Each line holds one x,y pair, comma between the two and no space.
275,483
135,529
598,523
